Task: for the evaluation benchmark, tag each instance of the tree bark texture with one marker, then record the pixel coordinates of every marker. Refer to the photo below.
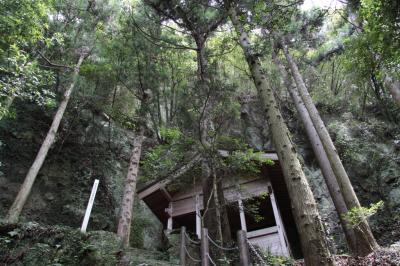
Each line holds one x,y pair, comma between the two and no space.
26,187
125,217
308,221
210,218
369,244
323,161
226,229
212,213
217,209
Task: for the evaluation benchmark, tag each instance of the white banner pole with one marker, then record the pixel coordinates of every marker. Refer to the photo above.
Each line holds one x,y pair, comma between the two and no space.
89,206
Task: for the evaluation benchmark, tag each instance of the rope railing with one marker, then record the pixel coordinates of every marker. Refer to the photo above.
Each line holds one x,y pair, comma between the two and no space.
253,249
190,256
210,259
191,240
219,246
205,258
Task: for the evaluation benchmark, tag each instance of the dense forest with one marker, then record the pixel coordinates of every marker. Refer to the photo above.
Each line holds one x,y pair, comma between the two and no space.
185,96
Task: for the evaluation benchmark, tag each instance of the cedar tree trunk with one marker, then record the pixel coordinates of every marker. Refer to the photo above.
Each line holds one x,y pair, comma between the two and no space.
308,221
320,155
368,244
26,187
212,213
125,218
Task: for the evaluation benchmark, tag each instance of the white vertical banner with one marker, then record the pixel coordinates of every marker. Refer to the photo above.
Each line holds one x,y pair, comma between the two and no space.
89,206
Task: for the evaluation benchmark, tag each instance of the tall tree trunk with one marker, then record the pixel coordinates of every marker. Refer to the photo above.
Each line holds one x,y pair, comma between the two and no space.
308,221
321,157
226,229
217,208
369,244
212,217
125,217
26,187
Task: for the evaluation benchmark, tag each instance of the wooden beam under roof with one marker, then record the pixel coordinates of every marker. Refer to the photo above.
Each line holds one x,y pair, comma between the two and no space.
160,185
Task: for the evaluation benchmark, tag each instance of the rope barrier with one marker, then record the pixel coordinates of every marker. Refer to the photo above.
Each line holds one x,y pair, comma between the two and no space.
255,252
208,255
221,247
191,240
190,257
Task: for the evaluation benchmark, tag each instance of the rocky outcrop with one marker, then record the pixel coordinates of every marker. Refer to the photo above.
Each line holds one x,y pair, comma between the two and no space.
372,159
254,128
87,147
370,151
31,244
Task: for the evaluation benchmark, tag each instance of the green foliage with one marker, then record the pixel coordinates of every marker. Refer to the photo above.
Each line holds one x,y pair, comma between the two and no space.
271,259
137,54
164,158
356,215
31,244
22,22
374,51
138,227
381,29
277,18
25,79
252,206
170,135
229,143
246,161
344,143
22,27
95,70
156,161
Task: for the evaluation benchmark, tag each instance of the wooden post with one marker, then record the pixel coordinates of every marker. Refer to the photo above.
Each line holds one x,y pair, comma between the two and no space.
198,217
243,248
169,222
242,215
182,252
169,225
279,223
204,247
89,206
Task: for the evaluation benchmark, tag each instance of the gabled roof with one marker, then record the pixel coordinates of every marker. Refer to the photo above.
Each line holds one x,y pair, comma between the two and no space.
156,195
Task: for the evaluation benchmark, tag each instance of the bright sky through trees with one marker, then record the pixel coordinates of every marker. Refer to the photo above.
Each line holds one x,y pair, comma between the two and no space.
309,4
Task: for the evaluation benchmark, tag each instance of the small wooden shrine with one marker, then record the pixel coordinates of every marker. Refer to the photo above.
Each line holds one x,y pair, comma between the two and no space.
275,231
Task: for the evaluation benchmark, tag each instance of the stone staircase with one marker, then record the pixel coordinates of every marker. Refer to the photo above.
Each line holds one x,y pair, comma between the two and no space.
141,257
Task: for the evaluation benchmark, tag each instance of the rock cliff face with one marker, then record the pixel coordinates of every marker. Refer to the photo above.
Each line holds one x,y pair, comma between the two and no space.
372,158
370,150
89,147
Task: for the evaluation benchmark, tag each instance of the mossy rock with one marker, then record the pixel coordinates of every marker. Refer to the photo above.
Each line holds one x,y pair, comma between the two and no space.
106,246
32,244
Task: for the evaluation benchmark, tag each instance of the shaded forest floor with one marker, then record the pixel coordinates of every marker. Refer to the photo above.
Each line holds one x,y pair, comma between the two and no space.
32,244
